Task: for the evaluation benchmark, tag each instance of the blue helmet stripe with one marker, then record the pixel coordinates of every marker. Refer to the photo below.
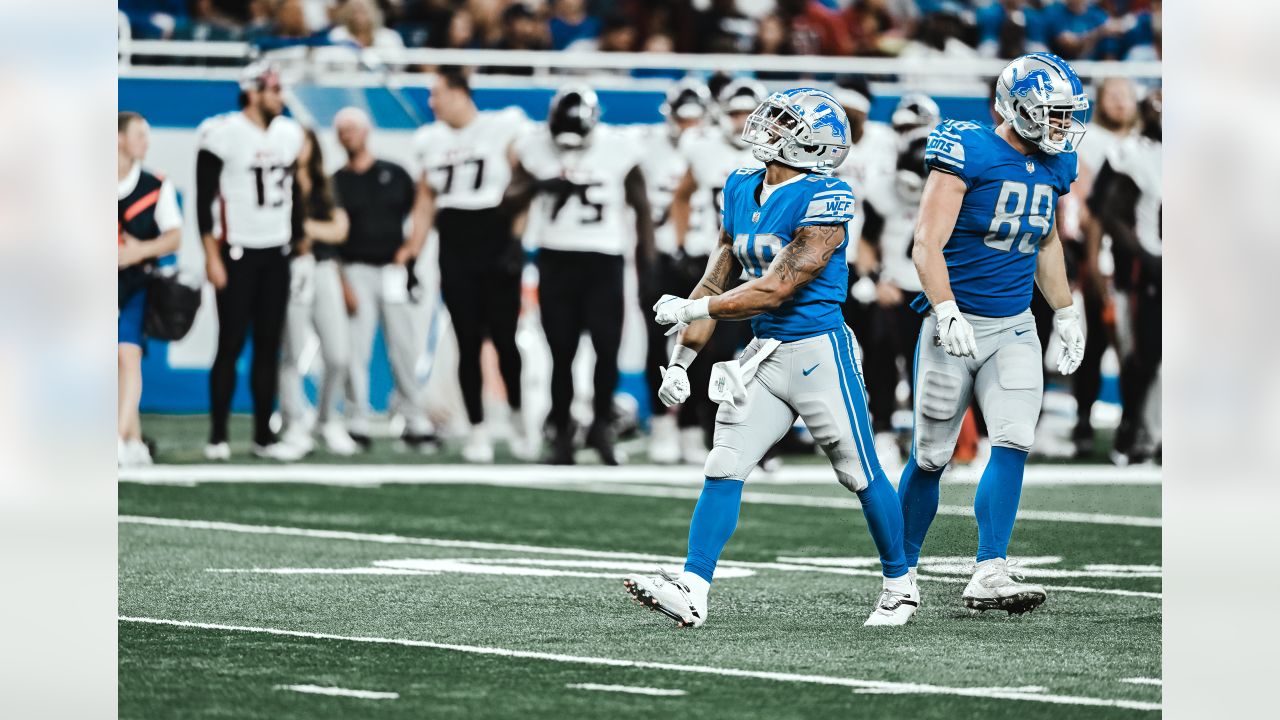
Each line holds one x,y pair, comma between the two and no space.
1076,86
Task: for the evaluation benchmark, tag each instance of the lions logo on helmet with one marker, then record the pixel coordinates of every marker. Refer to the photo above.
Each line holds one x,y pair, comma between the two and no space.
803,128
1041,97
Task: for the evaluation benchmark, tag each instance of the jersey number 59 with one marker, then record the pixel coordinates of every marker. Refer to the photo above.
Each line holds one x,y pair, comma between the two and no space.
1006,226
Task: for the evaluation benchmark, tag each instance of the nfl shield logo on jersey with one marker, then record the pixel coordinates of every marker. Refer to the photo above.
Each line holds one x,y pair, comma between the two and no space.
755,216
1031,167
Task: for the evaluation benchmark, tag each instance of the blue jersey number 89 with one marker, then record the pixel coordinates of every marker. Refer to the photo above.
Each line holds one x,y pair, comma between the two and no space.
755,252
1006,225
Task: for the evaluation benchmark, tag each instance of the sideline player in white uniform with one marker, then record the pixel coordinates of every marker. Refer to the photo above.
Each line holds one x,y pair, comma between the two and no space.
590,190
712,151
685,109
1129,201
245,165
985,237
782,224
465,160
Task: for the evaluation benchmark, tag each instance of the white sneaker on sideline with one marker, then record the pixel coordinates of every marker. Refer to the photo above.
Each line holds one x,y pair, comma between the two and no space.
664,439
279,450
896,605
692,450
337,440
666,594
217,452
992,588
478,448
521,441
889,454
138,452
299,436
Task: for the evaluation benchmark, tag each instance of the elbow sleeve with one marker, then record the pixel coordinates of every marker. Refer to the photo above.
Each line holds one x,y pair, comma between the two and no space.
208,170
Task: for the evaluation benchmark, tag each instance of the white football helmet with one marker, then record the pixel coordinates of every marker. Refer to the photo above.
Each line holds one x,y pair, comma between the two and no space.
740,95
1042,97
804,128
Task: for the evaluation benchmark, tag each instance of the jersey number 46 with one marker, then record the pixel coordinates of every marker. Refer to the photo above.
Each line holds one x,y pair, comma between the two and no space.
1012,211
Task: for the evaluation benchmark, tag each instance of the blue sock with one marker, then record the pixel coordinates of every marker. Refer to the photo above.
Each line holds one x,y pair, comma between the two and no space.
714,518
996,502
884,519
918,492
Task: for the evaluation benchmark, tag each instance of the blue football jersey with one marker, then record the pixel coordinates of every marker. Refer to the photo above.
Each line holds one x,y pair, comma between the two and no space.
760,232
1007,212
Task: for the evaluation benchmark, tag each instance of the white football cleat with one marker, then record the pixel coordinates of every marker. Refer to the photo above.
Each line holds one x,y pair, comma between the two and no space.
991,588
478,448
669,596
217,452
337,440
664,440
279,450
895,606
692,450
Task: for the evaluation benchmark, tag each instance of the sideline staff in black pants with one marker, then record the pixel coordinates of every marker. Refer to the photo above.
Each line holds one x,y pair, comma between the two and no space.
246,164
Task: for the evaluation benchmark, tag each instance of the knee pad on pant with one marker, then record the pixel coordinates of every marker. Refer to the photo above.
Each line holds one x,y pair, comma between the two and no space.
848,467
726,460
940,409
1012,407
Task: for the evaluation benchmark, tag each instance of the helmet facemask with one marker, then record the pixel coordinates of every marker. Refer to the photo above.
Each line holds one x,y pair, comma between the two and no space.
1041,97
1051,128
778,134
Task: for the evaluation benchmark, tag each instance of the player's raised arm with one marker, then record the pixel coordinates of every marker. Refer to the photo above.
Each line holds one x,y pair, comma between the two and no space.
722,268
799,262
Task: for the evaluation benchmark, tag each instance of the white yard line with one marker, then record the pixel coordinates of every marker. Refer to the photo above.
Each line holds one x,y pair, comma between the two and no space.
388,539
1143,681
986,693
340,692
822,501
656,692
1055,475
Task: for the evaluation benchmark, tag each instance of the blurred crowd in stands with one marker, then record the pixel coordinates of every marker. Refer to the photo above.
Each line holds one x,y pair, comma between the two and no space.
1074,29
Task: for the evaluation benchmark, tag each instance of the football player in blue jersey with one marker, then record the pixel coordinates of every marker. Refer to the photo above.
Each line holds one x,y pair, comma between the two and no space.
782,224
986,234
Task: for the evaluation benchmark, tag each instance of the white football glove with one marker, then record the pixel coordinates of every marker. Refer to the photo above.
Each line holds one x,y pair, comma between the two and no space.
955,334
1067,322
675,385
679,312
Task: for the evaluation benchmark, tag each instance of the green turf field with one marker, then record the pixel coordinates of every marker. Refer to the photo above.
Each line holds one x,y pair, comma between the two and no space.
497,593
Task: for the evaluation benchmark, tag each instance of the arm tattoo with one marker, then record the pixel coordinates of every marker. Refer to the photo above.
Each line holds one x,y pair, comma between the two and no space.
720,268
807,253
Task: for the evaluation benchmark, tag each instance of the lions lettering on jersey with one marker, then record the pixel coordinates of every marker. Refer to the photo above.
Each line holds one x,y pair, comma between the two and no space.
256,184
760,232
1008,210
468,167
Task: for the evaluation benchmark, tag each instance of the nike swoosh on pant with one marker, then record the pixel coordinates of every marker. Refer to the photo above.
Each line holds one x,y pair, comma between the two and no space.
806,372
